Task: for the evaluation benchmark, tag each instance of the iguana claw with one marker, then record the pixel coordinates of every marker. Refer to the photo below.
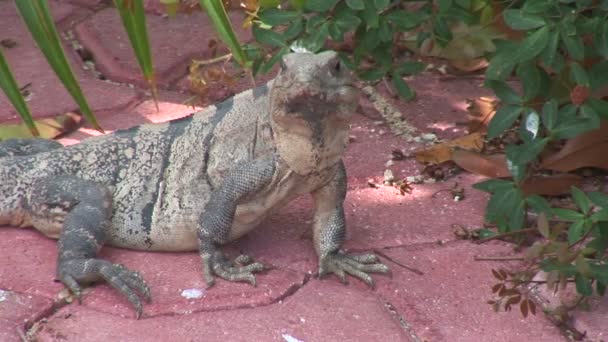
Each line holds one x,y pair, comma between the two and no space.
242,269
357,266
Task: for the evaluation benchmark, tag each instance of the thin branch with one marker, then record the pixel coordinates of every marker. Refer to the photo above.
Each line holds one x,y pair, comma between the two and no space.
515,232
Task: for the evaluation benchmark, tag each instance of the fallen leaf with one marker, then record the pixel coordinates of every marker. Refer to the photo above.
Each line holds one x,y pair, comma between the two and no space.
49,128
442,152
552,185
481,111
586,150
493,166
468,65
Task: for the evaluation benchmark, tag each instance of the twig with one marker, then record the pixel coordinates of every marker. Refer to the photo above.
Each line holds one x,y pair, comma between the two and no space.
500,236
498,258
411,269
212,60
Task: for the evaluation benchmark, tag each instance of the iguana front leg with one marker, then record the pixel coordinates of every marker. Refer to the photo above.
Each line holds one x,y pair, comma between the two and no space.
241,182
83,208
329,231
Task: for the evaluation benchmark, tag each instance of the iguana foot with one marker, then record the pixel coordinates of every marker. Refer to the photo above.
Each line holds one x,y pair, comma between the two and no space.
241,269
128,283
357,266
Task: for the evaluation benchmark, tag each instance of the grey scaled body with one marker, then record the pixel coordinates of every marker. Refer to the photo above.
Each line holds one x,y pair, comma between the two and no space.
194,183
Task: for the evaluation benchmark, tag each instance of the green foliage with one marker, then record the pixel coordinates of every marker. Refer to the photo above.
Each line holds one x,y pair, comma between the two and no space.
37,17
376,27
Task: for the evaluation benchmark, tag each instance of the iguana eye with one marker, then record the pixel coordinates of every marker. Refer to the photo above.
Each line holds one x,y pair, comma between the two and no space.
336,68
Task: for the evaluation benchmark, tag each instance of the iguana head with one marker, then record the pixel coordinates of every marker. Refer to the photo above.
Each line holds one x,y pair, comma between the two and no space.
311,102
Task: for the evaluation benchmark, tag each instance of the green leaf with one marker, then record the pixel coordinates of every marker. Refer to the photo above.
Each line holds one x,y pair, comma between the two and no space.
494,185
598,75
583,285
385,31
355,4
601,215
576,231
403,89
504,92
581,200
568,215
268,3
405,21
599,245
525,153
504,118
369,15
381,4
520,20
346,20
549,114
367,42
538,6
549,53
530,79
317,39
501,65
217,13
532,45
442,31
578,74
265,67
275,16
293,30
444,5
12,92
372,74
320,5
571,128
574,45
599,198
40,23
268,37
410,68
539,204
298,4
600,107
600,39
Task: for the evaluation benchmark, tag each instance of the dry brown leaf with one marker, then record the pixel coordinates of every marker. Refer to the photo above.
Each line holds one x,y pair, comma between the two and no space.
49,128
442,152
586,150
493,166
468,65
481,111
553,185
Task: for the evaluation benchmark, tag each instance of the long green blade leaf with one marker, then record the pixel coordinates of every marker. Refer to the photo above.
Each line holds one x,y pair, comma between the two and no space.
219,18
134,21
37,17
11,89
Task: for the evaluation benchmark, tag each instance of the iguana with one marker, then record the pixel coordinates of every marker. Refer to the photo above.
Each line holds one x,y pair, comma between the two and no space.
194,183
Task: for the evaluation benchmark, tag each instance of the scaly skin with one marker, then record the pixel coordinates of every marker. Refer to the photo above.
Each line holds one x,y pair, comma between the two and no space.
194,183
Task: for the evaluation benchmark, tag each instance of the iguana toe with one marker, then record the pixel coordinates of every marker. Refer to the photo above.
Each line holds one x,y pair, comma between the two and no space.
242,269
127,282
357,266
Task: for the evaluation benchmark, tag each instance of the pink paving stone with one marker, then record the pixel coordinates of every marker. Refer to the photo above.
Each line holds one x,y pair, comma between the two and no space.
175,41
17,310
448,302
48,96
440,105
316,312
30,269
